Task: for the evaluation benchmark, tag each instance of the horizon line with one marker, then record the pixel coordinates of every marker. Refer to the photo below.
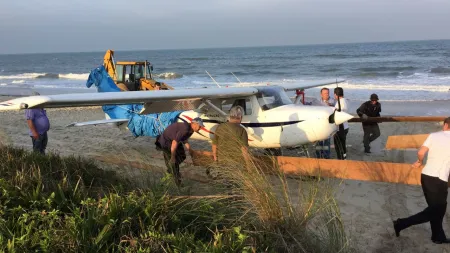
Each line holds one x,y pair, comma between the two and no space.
226,47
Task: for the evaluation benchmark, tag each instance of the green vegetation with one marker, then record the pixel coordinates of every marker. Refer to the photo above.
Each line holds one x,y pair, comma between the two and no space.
55,204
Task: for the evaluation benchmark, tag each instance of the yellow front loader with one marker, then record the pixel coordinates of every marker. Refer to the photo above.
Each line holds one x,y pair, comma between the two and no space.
132,76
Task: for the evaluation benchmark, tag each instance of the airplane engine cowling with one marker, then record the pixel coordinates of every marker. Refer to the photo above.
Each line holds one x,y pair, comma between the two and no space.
310,130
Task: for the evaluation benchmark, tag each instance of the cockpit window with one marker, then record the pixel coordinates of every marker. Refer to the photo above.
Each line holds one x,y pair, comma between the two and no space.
272,97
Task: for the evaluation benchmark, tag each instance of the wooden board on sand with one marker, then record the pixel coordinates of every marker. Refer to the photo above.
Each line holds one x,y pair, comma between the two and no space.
405,141
401,173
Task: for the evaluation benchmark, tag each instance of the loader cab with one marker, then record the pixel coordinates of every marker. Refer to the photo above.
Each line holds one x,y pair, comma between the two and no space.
129,74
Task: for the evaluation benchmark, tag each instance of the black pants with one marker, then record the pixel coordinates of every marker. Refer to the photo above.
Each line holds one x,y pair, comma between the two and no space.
340,139
40,143
371,133
435,191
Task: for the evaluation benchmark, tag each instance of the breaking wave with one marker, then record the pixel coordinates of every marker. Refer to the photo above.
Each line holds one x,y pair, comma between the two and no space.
71,76
168,75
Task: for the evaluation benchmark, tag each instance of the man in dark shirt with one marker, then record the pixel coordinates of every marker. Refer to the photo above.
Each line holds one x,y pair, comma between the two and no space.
230,142
39,125
171,143
368,109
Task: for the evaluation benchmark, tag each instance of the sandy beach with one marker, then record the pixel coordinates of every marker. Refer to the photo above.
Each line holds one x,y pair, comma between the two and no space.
367,208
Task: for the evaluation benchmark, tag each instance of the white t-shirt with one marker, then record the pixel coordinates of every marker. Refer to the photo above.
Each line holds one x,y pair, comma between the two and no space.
438,162
344,108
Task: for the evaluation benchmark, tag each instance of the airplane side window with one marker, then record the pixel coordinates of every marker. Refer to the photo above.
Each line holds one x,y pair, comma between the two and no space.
248,107
272,97
245,103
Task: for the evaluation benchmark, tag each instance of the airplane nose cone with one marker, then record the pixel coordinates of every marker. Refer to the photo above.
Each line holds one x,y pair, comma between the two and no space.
341,117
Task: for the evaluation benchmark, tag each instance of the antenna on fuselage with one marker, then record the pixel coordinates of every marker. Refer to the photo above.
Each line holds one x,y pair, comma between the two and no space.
213,79
236,78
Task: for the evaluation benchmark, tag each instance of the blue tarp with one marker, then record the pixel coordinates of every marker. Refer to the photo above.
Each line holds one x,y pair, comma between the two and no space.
139,125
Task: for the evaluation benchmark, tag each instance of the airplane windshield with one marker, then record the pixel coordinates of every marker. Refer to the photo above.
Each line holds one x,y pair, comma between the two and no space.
272,97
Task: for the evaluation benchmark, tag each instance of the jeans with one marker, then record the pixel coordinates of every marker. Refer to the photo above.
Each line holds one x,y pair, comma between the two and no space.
435,191
371,133
40,143
323,149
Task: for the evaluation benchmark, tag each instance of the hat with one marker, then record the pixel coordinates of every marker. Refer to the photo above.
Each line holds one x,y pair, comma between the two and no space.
199,121
374,97
35,93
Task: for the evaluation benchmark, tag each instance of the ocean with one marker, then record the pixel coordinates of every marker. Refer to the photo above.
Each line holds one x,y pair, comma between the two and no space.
411,70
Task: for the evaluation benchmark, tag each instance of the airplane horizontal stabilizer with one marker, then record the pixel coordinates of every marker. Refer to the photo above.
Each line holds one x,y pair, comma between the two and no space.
98,122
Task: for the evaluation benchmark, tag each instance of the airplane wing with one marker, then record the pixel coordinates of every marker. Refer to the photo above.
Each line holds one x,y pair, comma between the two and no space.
118,98
309,84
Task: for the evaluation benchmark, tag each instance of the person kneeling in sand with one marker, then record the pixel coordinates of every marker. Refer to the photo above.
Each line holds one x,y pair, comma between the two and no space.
434,179
171,143
39,125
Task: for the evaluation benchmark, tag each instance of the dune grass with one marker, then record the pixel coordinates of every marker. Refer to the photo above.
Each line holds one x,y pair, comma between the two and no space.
69,204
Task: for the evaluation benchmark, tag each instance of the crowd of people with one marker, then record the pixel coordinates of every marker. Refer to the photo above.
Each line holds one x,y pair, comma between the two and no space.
371,108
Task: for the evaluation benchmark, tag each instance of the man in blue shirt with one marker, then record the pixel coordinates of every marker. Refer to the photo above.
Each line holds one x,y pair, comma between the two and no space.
39,125
171,143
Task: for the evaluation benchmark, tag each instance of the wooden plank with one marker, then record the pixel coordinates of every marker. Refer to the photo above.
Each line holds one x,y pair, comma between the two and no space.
346,169
399,119
405,141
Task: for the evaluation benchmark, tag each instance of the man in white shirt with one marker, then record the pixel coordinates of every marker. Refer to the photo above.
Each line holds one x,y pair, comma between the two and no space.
341,136
434,180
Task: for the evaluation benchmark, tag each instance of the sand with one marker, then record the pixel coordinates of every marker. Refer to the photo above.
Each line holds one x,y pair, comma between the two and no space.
367,208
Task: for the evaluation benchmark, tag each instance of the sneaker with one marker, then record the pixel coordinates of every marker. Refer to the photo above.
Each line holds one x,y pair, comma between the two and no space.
446,240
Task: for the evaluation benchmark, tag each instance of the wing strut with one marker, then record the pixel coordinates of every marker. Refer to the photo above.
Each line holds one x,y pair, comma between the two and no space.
215,108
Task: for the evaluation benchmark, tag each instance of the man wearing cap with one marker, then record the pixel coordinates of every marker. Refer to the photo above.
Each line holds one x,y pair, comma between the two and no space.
371,130
39,125
230,141
171,143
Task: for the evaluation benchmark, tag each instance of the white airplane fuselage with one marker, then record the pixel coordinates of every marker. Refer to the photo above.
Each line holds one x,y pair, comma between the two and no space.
288,125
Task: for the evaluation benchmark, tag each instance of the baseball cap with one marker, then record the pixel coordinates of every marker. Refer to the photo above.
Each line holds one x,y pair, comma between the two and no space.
374,97
199,121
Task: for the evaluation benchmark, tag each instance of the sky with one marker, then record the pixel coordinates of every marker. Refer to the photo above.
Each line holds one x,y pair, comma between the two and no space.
36,26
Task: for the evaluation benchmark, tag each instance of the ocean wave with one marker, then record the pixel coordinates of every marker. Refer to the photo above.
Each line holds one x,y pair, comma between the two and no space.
440,70
329,70
397,87
345,56
195,58
384,69
71,76
168,75
3,84
18,81
378,74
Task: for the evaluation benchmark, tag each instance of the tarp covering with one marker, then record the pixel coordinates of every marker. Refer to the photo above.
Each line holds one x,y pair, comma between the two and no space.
102,80
139,125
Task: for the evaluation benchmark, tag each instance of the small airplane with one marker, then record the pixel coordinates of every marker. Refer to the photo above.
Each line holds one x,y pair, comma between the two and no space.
271,119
